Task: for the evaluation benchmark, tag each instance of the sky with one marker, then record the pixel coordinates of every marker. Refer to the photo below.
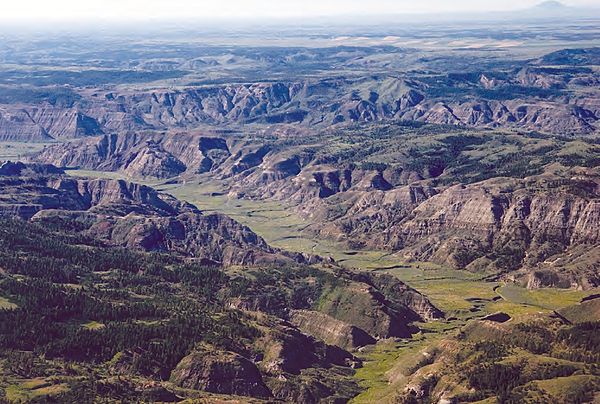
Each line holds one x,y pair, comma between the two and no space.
127,10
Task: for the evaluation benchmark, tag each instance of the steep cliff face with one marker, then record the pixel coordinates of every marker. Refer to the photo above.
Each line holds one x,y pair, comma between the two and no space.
500,224
39,123
372,212
135,154
154,162
530,99
501,212
98,196
65,124
551,117
17,125
350,100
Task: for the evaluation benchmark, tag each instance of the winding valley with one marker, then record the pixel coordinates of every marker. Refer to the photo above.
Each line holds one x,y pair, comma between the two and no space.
358,210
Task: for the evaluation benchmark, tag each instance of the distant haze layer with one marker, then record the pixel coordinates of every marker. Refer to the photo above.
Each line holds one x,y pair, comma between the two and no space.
121,10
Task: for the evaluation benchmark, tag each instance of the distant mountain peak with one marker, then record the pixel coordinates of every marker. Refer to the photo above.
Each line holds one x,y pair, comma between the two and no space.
551,5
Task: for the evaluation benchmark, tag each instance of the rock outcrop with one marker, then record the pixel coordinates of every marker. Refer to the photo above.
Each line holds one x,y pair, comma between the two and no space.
531,97
220,372
346,308
379,305
281,364
330,330
45,122
502,224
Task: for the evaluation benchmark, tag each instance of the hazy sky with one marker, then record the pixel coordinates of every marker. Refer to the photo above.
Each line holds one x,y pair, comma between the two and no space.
57,10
